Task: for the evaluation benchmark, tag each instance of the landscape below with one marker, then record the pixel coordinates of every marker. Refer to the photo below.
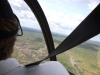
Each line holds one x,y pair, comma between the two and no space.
81,60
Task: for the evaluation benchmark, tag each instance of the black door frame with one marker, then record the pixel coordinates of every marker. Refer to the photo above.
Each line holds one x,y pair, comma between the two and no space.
39,14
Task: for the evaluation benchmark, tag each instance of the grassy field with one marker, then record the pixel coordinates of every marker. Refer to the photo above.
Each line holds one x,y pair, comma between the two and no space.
81,60
30,47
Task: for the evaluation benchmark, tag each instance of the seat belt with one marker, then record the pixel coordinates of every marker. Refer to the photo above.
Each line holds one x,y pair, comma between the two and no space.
87,29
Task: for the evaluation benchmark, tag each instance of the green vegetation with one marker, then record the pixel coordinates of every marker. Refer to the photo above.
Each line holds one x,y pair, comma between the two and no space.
84,57
30,47
81,60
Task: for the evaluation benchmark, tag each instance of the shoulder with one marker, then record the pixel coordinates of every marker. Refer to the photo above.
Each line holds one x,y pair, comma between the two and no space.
52,65
53,68
48,68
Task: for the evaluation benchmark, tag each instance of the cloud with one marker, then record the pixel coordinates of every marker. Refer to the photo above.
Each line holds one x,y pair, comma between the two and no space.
16,2
19,5
24,14
91,3
59,21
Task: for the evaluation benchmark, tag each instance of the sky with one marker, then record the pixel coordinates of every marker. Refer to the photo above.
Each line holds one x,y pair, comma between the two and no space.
63,16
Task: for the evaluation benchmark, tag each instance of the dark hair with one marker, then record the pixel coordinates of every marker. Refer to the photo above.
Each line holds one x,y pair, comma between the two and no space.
6,45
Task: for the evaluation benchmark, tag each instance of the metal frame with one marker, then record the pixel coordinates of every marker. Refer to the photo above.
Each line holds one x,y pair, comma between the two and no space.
38,12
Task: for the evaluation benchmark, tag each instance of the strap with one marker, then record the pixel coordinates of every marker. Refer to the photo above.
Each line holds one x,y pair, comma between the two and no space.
6,34
87,29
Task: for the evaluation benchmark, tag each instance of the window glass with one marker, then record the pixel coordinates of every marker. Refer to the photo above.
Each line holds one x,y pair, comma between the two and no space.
83,59
31,46
63,17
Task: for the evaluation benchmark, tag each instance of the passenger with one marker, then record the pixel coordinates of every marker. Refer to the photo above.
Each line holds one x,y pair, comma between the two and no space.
8,64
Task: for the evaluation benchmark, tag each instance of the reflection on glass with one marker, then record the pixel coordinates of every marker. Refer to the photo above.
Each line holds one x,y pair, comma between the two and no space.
31,46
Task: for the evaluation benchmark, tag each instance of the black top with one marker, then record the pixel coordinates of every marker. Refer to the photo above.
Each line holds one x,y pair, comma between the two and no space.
5,9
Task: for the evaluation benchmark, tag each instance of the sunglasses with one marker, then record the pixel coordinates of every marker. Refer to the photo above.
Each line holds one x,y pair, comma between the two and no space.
20,31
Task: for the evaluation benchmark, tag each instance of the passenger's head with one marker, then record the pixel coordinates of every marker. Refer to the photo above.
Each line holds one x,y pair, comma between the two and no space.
9,25
7,45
